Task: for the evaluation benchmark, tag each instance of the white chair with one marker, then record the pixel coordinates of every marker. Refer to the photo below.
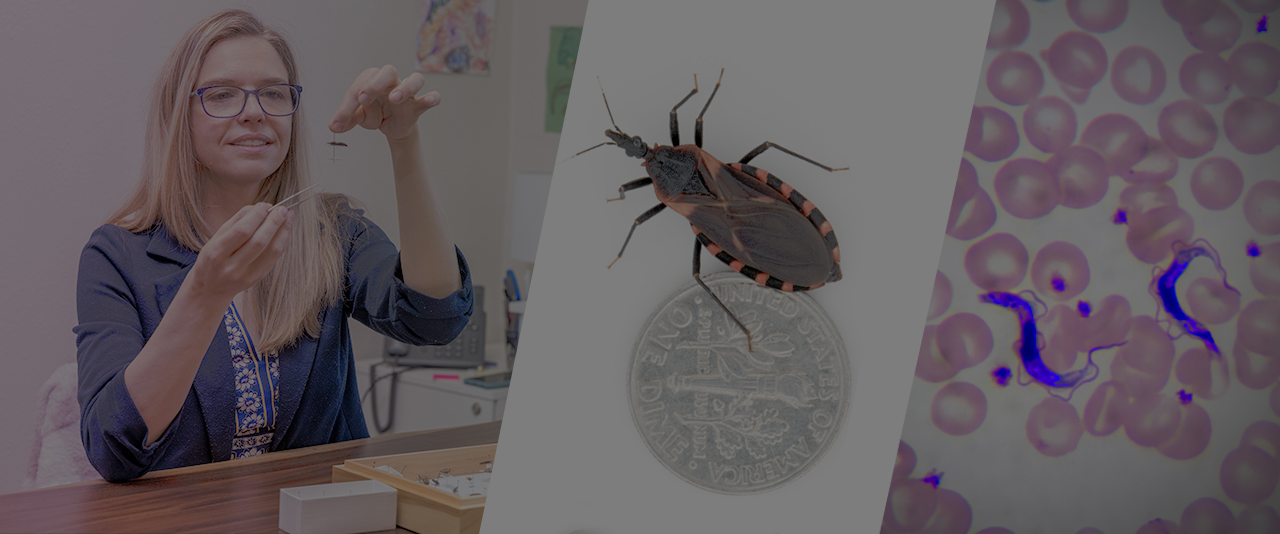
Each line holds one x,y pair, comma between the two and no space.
58,456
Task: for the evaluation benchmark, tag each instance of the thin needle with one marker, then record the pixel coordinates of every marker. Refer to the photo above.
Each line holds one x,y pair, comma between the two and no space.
286,199
309,197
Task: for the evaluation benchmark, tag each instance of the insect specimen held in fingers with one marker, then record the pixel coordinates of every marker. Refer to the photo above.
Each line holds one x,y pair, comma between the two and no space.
744,216
335,144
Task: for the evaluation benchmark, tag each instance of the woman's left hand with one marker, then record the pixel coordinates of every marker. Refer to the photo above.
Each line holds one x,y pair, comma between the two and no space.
380,100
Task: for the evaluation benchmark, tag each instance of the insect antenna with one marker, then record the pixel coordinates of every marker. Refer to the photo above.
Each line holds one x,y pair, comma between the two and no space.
594,147
606,104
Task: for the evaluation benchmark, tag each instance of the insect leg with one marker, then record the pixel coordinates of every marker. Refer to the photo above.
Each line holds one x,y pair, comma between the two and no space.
697,127
697,275
642,218
675,125
768,144
634,184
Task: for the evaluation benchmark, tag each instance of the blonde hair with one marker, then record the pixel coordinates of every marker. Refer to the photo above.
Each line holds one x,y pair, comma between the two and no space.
309,276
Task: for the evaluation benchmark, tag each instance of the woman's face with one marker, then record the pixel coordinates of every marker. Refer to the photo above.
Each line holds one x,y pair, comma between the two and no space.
245,149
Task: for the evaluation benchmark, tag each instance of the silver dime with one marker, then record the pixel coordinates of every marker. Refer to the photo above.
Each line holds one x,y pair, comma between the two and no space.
728,420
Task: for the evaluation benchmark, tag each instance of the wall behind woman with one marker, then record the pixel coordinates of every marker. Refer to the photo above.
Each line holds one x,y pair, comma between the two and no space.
76,81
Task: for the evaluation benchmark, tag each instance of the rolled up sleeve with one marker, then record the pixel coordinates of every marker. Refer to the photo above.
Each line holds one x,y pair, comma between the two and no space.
108,338
378,297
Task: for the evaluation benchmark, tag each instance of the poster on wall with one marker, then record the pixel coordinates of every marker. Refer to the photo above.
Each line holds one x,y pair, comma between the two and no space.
455,36
561,58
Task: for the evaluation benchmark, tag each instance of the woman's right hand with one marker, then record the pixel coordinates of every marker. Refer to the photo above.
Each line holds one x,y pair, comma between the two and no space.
242,251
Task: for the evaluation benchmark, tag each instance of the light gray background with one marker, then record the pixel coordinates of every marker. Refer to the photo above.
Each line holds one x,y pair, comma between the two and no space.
77,76
883,87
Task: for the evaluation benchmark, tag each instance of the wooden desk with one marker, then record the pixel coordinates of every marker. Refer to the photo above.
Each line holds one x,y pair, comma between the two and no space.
232,496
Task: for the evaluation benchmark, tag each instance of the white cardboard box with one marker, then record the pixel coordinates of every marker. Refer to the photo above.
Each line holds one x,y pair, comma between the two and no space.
342,508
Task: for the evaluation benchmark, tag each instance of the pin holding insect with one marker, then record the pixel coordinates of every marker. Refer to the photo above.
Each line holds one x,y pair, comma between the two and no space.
335,144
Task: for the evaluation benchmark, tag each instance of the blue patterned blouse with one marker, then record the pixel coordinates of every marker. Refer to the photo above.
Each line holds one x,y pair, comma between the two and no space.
257,386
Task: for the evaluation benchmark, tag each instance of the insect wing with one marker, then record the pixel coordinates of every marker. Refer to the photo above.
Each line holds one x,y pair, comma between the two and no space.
763,230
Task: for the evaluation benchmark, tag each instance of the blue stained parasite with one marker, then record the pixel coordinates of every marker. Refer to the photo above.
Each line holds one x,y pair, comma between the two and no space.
1030,352
1164,287
933,478
1001,375
1184,396
1120,218
1253,251
1084,308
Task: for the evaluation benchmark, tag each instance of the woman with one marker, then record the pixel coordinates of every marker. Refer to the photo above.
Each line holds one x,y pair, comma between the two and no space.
213,325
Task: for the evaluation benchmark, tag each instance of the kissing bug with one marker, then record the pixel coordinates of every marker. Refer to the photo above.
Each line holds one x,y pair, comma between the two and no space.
744,216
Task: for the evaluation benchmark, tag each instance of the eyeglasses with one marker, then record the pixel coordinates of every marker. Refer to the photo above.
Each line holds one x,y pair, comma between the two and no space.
226,101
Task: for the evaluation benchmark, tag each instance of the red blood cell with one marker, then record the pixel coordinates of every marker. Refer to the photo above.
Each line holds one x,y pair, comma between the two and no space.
1076,59
1258,6
941,299
1158,526
1053,427
1255,371
1118,139
1098,16
1059,352
953,515
1153,419
1010,24
1248,475
1138,75
1060,265
1211,302
1189,11
1264,270
1015,78
1252,125
930,365
1258,519
1255,68
1139,199
1081,173
1050,124
1216,34
1262,207
1026,188
1205,77
1187,128
998,135
1216,183
964,340
1207,516
1205,376
905,462
910,505
1258,327
959,408
1158,165
1264,435
996,263
1144,363
1192,437
1107,408
1274,399
1109,324
994,530
1151,234
972,211
1074,94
